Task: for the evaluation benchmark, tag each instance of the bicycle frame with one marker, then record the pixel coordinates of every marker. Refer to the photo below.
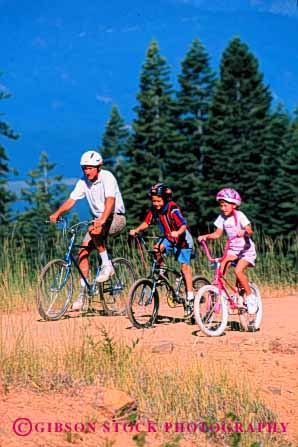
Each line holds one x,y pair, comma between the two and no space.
219,280
71,259
154,274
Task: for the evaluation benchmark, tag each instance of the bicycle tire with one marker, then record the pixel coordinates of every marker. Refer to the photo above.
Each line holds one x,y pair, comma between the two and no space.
137,304
198,282
249,322
211,317
114,291
54,291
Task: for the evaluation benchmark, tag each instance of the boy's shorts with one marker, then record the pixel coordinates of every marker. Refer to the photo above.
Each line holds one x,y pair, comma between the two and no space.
182,255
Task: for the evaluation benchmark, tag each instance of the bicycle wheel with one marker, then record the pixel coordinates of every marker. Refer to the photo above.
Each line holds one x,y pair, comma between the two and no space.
143,304
210,311
250,322
54,290
114,292
198,282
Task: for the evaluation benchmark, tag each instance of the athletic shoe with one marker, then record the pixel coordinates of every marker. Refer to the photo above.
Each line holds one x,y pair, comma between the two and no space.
79,302
106,271
188,309
252,304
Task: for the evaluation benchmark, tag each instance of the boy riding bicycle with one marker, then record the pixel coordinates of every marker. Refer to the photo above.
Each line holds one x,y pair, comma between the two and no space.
242,249
177,238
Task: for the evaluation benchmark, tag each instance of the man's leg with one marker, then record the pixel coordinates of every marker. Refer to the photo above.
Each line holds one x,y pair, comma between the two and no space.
107,269
83,256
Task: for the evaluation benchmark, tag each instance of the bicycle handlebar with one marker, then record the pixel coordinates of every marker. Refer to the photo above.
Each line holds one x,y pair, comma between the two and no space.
73,228
227,246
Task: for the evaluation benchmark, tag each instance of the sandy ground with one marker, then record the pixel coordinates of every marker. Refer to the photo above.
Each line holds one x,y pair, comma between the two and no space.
268,358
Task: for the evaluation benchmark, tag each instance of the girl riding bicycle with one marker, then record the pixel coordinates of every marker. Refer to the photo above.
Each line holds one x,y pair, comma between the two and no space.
177,238
235,223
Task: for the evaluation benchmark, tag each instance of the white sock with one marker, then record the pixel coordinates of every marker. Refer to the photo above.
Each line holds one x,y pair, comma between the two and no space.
104,257
190,296
83,284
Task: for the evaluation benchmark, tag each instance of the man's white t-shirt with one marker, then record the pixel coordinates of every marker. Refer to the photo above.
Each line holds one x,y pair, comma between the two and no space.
96,193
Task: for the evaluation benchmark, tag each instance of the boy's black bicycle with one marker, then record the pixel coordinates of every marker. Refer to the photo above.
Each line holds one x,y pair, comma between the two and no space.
56,285
143,300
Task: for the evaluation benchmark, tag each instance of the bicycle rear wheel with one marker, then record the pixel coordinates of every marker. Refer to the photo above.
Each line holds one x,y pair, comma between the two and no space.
114,292
198,282
54,290
250,322
210,311
143,304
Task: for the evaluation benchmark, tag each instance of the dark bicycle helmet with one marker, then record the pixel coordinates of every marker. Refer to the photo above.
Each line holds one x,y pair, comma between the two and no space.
161,190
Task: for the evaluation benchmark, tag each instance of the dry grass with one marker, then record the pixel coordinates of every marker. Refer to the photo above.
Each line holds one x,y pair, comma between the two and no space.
181,391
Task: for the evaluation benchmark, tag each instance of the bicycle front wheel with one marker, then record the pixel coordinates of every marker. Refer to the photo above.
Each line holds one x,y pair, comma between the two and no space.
114,292
249,322
210,311
54,290
143,304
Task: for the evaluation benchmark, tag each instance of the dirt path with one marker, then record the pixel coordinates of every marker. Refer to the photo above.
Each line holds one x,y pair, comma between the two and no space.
268,358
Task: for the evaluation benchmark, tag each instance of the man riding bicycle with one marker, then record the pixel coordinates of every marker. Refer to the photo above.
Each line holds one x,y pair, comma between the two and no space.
101,190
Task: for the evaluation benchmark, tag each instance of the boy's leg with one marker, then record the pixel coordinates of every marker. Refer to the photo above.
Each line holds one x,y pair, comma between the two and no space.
186,270
183,256
159,249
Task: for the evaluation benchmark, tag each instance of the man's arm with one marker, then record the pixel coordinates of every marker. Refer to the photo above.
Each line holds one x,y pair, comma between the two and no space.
109,207
66,206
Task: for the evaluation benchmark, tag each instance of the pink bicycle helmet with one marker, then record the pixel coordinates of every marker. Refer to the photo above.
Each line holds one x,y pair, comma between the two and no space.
229,195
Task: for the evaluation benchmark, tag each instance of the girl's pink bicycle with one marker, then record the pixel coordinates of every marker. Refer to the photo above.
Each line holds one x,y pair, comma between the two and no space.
215,302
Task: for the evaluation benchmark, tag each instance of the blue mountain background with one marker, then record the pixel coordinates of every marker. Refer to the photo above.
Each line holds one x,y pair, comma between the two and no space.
66,62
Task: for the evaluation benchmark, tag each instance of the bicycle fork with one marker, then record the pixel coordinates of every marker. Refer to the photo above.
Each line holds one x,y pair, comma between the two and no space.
143,301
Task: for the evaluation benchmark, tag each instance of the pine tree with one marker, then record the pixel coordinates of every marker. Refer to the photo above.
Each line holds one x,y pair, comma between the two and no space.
114,140
42,196
193,101
285,184
6,197
153,133
237,131
269,168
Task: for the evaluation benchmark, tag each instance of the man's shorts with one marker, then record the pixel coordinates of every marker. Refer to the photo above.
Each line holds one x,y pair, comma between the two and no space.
182,255
113,226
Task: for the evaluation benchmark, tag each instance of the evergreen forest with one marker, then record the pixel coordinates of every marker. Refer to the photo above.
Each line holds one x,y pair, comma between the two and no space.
204,132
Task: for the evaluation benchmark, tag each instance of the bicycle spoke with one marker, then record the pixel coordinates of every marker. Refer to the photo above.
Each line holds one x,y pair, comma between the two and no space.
143,304
115,290
54,290
210,311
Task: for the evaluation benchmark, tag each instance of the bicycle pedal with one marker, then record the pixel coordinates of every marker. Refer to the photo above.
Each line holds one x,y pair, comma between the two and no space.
242,310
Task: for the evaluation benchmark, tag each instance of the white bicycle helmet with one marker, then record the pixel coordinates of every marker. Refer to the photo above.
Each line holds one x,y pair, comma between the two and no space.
91,158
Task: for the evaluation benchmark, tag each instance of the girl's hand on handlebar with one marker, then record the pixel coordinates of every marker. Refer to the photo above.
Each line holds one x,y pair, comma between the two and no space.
204,237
